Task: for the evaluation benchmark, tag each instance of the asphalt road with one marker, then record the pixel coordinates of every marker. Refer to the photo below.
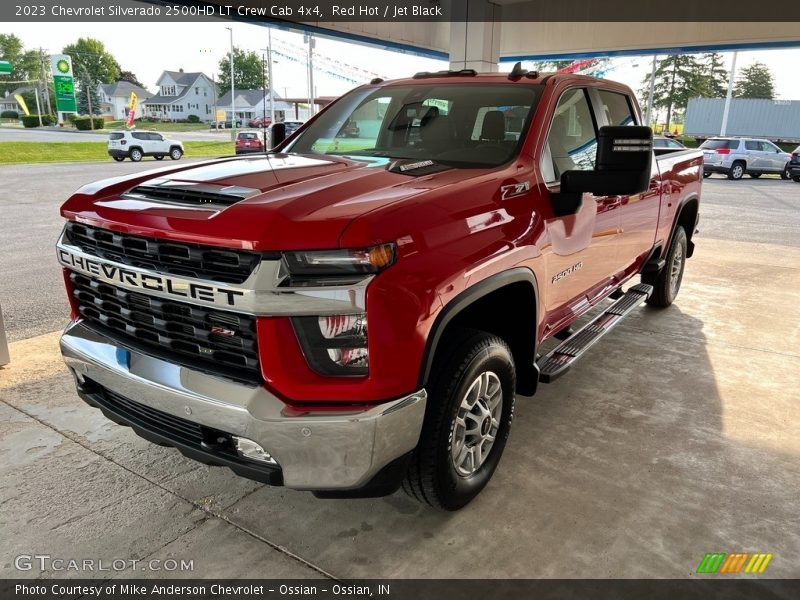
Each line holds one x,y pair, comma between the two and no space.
31,290
8,134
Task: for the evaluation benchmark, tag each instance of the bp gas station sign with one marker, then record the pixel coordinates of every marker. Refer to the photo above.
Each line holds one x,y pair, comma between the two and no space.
63,83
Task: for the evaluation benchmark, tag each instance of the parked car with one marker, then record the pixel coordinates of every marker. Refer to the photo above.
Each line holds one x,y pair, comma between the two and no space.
248,142
289,128
138,144
660,141
794,165
349,321
736,156
260,122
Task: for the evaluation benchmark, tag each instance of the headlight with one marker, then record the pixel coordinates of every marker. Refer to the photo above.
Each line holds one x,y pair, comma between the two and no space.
334,345
336,267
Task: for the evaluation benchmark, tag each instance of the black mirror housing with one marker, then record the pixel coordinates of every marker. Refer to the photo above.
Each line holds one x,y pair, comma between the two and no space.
622,168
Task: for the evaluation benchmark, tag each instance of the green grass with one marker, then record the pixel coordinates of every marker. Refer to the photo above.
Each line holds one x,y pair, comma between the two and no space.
112,125
45,152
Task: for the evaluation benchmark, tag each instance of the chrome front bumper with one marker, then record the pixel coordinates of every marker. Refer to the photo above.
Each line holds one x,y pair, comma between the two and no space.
316,450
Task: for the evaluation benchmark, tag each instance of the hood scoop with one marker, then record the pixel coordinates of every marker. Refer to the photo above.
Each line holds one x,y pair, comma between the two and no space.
185,193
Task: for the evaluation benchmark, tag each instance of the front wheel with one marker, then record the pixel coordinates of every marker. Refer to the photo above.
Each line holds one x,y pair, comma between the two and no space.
467,421
175,153
667,282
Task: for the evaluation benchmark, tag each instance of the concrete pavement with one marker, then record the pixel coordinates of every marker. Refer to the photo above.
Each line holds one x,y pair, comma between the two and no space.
677,435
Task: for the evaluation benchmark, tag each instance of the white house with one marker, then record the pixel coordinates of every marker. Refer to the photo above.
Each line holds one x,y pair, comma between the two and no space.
115,98
182,94
9,102
251,104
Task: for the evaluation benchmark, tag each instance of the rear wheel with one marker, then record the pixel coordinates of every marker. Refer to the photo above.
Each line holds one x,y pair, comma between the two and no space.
737,170
136,154
467,421
786,173
667,282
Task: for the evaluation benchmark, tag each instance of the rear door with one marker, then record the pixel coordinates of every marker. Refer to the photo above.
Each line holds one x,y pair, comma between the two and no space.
141,139
638,213
755,156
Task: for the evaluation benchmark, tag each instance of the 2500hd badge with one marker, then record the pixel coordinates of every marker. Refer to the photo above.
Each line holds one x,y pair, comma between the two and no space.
146,281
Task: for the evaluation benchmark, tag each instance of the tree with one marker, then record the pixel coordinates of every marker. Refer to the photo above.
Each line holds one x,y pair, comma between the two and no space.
83,101
25,64
130,77
678,77
597,67
714,76
248,72
755,81
91,61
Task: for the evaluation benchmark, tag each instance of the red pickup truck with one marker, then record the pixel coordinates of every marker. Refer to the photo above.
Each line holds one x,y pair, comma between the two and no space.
347,316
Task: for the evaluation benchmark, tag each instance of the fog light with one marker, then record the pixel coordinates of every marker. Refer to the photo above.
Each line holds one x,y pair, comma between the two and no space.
250,450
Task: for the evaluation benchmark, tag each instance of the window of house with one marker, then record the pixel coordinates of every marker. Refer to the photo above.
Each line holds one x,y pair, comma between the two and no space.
572,141
617,108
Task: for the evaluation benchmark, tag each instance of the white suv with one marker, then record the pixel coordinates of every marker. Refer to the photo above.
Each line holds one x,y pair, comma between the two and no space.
137,144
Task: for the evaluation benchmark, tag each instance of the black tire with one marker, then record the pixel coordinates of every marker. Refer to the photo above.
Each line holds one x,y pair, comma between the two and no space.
755,175
159,157
706,174
118,158
175,153
667,282
796,178
737,170
467,357
136,154
786,173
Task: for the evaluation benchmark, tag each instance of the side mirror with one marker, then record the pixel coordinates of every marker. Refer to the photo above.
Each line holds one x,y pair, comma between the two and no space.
277,134
622,168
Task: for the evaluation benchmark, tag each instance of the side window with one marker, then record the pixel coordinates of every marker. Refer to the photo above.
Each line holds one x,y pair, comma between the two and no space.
769,147
572,141
140,136
156,137
617,108
752,145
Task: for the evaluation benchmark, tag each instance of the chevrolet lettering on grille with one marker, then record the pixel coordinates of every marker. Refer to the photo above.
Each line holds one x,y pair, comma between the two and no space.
131,279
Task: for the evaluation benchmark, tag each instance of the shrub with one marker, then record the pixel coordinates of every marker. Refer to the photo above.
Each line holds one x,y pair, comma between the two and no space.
193,119
9,114
33,120
85,123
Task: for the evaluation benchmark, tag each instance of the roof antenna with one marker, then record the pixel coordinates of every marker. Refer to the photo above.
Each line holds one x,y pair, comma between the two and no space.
517,71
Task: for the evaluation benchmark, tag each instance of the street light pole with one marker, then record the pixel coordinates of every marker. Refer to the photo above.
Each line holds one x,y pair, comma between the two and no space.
649,112
310,40
728,96
233,92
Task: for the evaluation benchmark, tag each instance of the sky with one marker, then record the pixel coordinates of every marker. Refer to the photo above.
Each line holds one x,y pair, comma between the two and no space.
200,46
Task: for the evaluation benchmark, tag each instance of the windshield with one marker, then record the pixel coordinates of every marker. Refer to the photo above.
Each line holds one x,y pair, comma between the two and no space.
470,125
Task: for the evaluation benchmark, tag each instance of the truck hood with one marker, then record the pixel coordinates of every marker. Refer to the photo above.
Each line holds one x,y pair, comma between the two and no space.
275,202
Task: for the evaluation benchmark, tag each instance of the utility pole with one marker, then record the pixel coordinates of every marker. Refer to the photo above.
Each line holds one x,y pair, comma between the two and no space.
309,39
649,112
269,74
46,85
233,93
728,96
214,82
38,107
264,101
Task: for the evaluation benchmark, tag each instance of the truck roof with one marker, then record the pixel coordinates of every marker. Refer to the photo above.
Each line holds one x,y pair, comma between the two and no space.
469,75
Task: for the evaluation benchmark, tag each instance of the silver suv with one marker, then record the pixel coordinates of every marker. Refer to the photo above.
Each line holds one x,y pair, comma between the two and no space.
737,156
138,144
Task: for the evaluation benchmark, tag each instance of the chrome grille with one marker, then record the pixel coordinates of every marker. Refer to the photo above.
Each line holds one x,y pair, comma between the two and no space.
175,258
216,342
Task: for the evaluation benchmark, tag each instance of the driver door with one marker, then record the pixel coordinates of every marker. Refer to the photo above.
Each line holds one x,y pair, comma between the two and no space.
580,250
